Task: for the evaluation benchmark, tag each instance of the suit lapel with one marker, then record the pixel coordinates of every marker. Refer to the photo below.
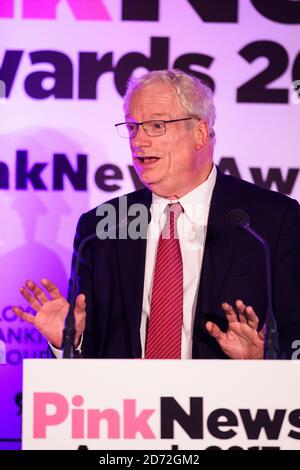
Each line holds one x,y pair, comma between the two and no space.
220,244
219,251
131,257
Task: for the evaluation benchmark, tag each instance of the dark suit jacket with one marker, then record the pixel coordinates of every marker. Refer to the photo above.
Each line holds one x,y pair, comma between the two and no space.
111,273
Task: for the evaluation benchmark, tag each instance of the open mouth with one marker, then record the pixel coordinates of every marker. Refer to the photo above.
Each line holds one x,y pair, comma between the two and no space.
147,159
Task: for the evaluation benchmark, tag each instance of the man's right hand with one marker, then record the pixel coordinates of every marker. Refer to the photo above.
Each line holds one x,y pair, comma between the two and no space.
51,311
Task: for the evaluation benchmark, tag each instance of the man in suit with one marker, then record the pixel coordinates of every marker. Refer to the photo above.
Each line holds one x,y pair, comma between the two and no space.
194,287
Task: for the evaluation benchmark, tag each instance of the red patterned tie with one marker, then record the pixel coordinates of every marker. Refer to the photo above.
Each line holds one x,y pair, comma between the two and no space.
165,325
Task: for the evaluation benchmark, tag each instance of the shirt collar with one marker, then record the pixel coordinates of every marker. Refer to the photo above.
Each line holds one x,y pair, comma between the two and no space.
197,198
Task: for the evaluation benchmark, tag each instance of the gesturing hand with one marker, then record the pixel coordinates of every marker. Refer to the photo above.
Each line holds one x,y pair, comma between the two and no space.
241,340
51,310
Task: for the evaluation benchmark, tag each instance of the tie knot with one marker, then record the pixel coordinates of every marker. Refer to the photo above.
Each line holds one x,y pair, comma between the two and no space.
176,209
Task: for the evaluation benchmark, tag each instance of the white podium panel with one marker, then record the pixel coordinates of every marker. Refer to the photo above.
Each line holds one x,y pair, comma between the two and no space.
145,404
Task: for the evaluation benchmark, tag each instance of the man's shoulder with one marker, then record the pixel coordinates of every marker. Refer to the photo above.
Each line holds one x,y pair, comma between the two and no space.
255,194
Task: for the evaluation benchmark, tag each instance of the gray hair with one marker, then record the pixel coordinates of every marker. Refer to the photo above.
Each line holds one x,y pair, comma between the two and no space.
194,94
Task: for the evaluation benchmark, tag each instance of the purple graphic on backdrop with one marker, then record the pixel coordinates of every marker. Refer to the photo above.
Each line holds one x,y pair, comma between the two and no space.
29,260
31,223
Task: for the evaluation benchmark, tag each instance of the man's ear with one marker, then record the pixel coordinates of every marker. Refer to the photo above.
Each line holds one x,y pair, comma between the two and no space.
202,134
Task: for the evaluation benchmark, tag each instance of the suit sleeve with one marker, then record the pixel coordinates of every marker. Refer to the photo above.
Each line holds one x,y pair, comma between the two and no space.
286,281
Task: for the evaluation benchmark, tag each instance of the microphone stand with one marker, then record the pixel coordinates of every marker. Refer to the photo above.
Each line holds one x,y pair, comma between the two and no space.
69,329
271,342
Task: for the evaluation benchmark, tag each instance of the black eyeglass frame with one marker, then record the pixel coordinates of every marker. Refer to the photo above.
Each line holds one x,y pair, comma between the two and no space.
137,124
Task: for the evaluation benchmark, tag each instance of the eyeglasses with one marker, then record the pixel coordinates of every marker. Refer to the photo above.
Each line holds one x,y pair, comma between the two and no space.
153,128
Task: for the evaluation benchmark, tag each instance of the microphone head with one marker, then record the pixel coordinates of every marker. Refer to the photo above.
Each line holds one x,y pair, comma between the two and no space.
238,218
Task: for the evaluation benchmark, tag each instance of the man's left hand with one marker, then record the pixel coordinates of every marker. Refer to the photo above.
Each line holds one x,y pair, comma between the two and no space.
241,340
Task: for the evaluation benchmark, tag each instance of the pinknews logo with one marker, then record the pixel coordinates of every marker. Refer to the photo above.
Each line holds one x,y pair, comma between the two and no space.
133,421
84,10
214,11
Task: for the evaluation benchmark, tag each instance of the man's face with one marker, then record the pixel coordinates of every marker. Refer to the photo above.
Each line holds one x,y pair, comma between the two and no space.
172,164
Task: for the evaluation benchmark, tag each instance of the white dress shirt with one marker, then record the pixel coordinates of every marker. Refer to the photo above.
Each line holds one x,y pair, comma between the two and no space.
192,228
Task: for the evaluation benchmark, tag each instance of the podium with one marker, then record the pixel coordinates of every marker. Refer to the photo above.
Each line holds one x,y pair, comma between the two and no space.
160,404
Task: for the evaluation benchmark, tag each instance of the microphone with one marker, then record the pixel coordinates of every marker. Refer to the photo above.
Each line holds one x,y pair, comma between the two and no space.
69,327
240,220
